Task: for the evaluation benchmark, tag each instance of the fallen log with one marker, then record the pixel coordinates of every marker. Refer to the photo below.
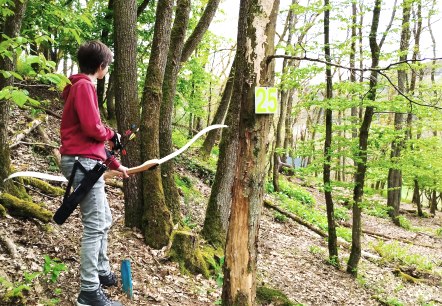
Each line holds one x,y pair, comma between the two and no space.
32,126
295,218
43,186
341,242
386,237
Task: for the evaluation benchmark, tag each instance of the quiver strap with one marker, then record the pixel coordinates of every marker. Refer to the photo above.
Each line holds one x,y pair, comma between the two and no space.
71,200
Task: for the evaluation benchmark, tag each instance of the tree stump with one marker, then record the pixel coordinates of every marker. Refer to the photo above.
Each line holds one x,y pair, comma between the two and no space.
185,250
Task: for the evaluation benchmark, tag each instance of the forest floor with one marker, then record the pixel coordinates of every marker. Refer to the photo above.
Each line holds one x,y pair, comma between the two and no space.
292,258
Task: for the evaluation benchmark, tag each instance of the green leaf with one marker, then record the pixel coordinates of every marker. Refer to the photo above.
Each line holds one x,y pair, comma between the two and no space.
19,97
16,75
6,74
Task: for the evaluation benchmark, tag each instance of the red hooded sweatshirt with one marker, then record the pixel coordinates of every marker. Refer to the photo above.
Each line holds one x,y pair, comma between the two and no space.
82,132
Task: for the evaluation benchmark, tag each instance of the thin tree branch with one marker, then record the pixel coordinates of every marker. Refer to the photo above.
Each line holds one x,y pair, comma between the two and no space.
379,70
142,7
318,60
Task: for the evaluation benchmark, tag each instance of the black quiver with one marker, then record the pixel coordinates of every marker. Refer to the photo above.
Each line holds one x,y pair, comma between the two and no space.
71,200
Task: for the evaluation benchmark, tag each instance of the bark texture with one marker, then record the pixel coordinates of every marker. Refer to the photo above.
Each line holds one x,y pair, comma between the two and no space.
169,89
332,237
126,101
11,28
361,164
156,217
395,173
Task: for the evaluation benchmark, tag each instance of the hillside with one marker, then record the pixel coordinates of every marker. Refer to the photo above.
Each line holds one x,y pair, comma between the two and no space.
292,259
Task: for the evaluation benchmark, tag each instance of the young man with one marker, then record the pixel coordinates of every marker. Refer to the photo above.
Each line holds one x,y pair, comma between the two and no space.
83,138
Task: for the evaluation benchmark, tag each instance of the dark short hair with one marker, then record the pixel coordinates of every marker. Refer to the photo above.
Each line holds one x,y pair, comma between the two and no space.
93,54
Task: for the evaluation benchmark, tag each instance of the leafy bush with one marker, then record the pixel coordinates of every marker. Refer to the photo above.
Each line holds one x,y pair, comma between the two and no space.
404,223
341,213
376,209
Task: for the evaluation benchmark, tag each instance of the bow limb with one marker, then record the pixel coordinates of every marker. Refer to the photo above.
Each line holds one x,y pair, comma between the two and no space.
39,175
187,145
155,162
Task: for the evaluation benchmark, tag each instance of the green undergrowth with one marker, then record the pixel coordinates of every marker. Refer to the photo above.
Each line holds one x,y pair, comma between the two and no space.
375,208
17,293
269,296
179,139
396,253
300,202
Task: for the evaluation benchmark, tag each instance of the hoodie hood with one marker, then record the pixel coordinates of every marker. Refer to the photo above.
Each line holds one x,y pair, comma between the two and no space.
74,79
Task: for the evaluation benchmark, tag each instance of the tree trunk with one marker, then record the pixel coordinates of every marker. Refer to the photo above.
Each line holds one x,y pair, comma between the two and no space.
433,202
289,122
417,198
200,29
178,54
282,120
169,89
110,98
105,39
157,221
361,163
256,33
395,173
217,213
124,80
11,28
416,50
354,109
332,238
220,114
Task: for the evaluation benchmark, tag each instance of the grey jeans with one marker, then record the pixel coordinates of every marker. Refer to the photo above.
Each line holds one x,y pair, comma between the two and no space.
97,219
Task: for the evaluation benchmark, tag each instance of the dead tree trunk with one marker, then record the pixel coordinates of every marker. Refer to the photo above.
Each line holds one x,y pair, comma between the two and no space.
256,32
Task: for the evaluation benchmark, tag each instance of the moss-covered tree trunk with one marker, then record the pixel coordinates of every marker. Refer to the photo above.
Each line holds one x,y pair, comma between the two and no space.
156,217
395,173
217,213
126,102
169,89
178,53
11,28
256,32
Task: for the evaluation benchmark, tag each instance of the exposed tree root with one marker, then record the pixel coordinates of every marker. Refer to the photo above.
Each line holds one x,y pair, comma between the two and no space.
9,244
